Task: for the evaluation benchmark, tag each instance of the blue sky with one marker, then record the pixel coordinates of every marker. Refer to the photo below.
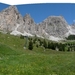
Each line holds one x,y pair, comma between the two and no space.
39,12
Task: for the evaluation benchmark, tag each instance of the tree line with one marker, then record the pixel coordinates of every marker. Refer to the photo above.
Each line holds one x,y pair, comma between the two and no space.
47,44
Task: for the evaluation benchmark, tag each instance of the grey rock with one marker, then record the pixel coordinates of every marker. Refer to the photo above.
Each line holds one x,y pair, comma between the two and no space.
28,26
55,26
9,18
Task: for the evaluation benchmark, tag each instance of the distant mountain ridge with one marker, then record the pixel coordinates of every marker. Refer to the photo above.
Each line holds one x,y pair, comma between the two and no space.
53,28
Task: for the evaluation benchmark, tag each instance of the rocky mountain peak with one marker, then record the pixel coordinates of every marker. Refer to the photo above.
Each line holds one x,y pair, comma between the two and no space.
55,26
29,24
27,16
10,9
55,19
9,18
28,19
52,27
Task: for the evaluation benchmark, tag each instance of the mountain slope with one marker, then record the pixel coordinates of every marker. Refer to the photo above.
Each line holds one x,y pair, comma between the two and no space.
28,26
9,18
53,28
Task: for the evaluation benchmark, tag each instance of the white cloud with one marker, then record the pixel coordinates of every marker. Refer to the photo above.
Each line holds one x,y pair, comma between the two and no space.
73,21
16,2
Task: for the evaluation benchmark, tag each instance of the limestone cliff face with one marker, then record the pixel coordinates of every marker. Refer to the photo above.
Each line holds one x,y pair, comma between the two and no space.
29,25
53,26
9,18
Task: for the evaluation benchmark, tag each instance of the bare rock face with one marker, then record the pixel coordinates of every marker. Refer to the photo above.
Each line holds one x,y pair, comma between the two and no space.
73,26
29,25
55,26
9,18
72,29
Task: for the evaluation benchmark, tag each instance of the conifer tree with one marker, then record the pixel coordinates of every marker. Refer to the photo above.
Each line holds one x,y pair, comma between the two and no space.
49,45
30,47
45,44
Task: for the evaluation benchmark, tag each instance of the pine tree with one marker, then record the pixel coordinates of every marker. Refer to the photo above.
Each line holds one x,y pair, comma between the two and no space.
40,43
49,45
45,44
30,47
60,47
68,49
63,47
34,40
52,46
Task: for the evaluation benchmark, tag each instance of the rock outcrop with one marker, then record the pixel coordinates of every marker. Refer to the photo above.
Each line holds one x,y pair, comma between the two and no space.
53,27
9,18
28,26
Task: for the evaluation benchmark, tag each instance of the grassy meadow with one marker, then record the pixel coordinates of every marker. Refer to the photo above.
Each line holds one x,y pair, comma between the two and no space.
15,60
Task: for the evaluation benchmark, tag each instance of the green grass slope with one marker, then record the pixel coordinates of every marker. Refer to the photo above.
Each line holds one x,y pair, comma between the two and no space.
15,60
5,50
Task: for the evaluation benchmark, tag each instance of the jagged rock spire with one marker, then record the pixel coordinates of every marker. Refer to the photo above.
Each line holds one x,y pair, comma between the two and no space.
9,18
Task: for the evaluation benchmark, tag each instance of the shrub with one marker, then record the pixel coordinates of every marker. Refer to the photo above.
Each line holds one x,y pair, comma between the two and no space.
21,37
